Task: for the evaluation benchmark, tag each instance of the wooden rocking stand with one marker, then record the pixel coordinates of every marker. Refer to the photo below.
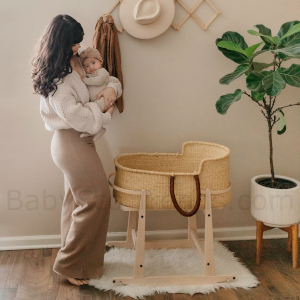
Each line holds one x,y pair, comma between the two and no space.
136,239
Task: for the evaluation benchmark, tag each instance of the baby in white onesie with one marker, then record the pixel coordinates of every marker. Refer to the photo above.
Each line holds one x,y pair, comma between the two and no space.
96,79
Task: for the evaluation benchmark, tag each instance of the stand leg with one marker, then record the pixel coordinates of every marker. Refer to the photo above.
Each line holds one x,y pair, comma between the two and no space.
140,239
289,245
295,245
192,225
193,239
259,236
132,224
209,239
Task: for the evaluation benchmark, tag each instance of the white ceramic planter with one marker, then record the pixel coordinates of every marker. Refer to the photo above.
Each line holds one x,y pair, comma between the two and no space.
275,207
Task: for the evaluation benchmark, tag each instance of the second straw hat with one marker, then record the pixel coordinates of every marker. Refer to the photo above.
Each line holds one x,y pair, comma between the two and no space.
146,19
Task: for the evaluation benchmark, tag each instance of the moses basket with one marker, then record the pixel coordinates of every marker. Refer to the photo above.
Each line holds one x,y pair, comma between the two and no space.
158,173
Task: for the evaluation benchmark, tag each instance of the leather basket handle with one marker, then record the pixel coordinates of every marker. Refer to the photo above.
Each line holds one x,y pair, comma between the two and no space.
197,205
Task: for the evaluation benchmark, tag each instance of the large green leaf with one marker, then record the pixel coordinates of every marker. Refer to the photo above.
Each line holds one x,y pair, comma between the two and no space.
293,50
239,71
294,29
225,101
281,124
257,96
286,27
235,37
258,52
272,40
266,47
273,83
234,56
231,46
238,40
275,39
288,57
254,81
260,66
250,50
291,75
265,31
289,40
281,55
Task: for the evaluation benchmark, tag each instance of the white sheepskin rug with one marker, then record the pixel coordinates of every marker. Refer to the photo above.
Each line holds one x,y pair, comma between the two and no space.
119,262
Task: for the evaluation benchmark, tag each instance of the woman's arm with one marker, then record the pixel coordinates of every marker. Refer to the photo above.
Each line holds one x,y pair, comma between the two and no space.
83,118
111,92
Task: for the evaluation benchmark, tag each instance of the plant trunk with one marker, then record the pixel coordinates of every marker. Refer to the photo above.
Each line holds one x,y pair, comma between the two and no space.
271,151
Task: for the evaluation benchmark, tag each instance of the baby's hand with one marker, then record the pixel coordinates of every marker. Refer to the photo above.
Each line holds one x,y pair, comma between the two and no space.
82,77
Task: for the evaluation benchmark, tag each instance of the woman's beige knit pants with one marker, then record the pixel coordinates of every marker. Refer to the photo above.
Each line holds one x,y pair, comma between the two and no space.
86,205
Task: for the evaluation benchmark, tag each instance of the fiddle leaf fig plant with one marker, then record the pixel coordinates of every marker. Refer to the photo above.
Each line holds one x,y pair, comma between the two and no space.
264,85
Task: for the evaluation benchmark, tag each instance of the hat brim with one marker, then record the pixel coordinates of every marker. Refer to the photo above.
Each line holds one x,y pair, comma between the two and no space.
148,31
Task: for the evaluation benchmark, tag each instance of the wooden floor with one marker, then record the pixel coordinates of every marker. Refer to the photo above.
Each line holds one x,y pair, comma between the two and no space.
27,274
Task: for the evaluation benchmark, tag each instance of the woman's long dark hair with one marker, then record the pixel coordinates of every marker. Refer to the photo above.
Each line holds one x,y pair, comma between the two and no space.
53,53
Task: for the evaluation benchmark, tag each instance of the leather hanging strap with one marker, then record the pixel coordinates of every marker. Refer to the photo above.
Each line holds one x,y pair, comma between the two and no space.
197,205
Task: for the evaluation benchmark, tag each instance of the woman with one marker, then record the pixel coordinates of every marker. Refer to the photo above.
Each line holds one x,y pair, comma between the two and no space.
66,110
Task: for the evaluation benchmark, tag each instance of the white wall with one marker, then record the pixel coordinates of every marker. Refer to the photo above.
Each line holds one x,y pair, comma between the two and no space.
171,85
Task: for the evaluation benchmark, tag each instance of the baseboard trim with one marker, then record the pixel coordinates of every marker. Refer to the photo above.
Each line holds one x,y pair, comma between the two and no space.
220,234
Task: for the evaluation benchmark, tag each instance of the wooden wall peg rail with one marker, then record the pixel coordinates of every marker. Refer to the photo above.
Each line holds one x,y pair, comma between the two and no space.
292,240
190,13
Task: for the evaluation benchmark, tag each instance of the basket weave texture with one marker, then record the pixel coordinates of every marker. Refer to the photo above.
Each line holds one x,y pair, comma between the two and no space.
152,171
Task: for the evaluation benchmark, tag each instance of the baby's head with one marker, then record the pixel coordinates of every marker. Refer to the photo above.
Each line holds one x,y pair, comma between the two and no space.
91,60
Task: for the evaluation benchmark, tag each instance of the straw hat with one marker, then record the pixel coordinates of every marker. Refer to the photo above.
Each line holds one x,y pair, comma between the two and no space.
146,19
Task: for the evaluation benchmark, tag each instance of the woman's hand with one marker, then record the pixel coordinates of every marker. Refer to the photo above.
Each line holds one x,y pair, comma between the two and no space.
109,95
82,78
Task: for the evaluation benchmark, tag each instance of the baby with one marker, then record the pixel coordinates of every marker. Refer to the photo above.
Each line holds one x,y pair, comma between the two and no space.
96,79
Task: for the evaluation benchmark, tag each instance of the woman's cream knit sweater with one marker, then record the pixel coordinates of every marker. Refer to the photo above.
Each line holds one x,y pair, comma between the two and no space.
69,107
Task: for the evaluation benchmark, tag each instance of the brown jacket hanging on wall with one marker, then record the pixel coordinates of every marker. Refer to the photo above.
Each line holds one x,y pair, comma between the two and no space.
106,41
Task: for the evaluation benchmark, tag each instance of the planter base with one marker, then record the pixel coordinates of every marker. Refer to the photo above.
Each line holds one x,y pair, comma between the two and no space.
292,240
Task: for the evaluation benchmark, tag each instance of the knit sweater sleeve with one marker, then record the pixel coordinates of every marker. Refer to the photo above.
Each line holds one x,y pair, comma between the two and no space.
115,83
101,78
83,118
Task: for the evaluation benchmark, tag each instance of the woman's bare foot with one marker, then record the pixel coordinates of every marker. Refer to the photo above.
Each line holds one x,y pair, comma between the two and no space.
78,281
